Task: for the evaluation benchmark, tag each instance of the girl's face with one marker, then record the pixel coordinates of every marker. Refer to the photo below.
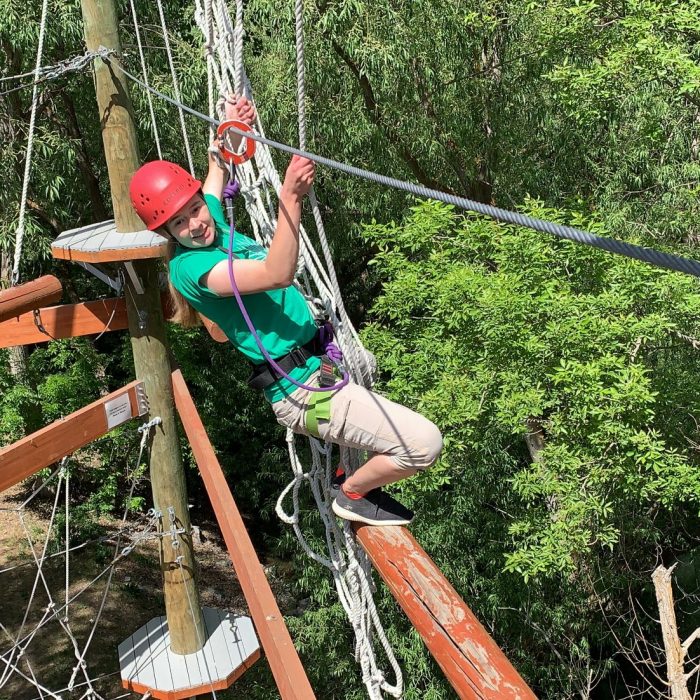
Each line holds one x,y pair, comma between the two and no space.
192,226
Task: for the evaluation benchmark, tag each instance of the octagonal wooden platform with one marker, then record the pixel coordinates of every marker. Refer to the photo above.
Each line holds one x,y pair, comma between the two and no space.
102,243
148,665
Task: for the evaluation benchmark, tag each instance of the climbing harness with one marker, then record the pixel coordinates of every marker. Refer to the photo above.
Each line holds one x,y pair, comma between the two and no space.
296,357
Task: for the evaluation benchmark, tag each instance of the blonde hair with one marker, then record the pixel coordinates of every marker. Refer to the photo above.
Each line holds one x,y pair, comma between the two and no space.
183,312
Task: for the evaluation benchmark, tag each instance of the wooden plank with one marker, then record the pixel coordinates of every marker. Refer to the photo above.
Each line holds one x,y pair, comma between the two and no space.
284,661
213,329
472,662
101,242
32,295
85,318
64,321
46,446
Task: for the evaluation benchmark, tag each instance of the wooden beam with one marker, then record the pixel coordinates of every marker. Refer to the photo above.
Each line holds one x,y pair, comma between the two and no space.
32,295
46,446
285,664
73,320
472,662
214,331
64,321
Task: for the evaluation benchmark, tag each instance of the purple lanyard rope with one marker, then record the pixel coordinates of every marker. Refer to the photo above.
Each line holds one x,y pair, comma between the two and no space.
332,350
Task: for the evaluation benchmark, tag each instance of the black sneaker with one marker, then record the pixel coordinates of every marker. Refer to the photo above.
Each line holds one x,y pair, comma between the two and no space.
375,508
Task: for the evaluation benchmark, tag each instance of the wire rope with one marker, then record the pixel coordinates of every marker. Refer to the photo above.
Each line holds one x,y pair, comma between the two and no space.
658,258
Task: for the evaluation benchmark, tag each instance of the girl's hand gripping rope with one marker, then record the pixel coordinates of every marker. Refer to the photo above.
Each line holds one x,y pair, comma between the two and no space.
241,109
240,113
298,179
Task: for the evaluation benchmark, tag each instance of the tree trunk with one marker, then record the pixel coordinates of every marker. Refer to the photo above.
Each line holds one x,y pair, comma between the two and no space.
675,653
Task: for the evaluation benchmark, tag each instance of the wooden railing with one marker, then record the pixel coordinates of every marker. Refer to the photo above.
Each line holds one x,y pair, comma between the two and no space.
32,295
63,437
470,659
284,661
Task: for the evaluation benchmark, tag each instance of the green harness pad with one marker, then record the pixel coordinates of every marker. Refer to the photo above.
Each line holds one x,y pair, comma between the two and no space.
319,408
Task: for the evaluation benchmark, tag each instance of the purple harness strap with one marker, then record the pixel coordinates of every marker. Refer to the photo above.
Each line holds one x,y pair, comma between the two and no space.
325,331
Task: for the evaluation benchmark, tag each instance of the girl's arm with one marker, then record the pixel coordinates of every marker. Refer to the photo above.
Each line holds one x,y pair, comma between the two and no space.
242,109
216,176
278,268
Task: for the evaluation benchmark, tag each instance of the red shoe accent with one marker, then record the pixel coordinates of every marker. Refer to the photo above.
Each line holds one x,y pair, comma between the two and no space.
339,471
352,494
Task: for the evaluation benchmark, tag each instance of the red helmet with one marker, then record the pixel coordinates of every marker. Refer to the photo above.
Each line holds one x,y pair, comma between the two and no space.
159,189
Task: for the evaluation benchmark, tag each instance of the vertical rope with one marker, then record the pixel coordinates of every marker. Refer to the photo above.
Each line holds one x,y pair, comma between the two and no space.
19,235
238,33
144,72
301,72
67,534
176,86
348,345
209,48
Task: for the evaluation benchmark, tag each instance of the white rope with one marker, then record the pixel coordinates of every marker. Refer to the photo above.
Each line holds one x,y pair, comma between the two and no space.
19,235
19,644
144,73
67,531
357,599
145,431
176,86
348,564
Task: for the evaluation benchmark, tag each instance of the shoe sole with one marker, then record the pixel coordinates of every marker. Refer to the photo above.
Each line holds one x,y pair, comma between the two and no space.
349,515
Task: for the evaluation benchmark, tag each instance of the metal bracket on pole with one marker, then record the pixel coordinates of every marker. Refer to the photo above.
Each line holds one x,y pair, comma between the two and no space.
138,287
115,284
141,399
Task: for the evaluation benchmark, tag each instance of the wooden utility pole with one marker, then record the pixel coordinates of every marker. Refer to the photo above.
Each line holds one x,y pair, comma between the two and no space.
148,338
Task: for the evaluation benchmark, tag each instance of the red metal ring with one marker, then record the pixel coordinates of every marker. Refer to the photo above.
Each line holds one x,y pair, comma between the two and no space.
228,154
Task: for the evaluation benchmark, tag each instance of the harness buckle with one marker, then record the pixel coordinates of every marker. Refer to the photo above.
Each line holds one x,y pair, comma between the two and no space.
298,357
327,375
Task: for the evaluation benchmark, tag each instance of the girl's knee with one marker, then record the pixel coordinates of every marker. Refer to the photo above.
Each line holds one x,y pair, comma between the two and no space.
427,441
433,444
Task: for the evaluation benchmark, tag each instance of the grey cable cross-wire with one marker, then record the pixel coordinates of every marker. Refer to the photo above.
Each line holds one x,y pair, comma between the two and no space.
652,256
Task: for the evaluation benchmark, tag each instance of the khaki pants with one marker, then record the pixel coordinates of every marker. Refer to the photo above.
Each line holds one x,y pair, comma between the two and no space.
363,420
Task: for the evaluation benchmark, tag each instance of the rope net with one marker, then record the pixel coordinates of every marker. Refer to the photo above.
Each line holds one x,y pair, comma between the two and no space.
46,641
260,180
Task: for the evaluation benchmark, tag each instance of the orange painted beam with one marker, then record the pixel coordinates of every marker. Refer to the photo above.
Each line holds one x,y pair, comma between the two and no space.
284,661
32,295
64,321
73,320
46,446
470,659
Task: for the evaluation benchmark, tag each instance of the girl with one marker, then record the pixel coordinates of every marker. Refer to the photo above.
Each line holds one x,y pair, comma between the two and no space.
169,200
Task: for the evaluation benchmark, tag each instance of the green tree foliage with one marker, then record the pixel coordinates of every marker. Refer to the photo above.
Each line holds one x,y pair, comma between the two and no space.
491,330
580,111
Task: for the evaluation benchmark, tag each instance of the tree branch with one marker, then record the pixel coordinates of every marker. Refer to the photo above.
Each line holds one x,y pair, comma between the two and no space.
376,116
686,644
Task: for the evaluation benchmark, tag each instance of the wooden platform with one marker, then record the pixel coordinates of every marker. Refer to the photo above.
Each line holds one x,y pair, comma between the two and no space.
148,665
101,243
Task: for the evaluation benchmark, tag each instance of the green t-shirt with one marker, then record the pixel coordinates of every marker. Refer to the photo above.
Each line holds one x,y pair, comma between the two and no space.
281,316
